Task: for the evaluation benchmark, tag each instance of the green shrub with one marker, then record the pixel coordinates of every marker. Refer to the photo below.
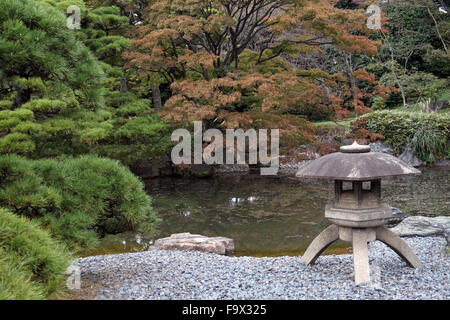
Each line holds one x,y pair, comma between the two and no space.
77,199
36,47
45,105
6,104
427,143
378,103
21,114
16,143
117,98
137,133
127,129
53,86
134,108
32,264
427,133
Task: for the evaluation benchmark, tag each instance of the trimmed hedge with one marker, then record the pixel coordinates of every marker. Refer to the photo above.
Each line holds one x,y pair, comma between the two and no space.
427,133
32,264
77,199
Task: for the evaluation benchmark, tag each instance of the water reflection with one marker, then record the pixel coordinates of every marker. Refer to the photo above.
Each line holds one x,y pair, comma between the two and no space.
277,215
236,201
272,215
185,213
265,215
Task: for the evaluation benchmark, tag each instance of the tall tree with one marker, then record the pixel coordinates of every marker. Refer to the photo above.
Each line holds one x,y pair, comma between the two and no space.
224,58
57,98
33,45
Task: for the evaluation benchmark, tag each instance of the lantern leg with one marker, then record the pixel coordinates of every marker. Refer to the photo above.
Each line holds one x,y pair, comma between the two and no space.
360,256
399,246
320,243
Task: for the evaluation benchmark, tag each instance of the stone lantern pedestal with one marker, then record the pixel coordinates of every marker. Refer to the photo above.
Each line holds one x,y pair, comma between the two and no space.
357,213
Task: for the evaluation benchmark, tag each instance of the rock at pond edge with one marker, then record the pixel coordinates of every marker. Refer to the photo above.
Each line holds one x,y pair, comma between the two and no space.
196,242
423,226
409,157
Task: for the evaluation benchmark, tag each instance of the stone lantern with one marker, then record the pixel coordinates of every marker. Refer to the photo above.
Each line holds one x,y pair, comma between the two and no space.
357,213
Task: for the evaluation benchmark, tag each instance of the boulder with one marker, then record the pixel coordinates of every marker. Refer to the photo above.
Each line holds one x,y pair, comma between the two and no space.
153,168
195,170
201,171
196,242
439,105
331,142
397,216
442,163
347,141
145,170
380,147
423,226
408,156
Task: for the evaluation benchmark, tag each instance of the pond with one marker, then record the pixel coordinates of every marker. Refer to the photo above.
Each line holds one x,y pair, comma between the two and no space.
269,215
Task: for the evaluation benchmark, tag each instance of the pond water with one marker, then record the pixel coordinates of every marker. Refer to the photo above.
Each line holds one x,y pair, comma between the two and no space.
269,216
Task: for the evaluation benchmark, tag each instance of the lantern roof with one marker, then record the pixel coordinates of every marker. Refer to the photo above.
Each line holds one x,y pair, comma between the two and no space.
355,163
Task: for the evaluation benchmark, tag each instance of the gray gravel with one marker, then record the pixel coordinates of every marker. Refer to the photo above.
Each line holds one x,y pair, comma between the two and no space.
161,274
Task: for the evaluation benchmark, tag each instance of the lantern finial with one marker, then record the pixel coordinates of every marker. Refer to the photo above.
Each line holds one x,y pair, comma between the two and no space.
355,148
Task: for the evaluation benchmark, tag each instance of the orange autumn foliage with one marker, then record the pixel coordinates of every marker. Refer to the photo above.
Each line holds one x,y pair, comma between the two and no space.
377,90
196,47
358,132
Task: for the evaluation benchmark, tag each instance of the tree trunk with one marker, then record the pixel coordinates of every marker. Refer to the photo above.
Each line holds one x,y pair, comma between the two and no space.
22,96
123,84
205,73
156,95
437,30
349,73
405,104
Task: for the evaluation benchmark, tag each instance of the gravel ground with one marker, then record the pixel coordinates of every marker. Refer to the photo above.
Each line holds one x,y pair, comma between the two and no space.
161,274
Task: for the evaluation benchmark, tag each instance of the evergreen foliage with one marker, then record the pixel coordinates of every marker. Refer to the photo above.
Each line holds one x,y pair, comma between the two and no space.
32,264
77,199
427,133
42,57
136,69
52,100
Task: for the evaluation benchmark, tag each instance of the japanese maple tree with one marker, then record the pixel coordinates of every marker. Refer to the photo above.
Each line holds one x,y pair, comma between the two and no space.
226,60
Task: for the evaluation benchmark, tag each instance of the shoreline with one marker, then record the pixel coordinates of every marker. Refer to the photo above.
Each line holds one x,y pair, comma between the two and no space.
167,274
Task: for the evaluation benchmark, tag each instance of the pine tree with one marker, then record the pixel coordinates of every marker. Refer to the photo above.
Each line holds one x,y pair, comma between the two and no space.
52,86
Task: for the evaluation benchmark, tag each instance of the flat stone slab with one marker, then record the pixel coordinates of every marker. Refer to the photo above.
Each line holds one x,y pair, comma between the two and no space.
196,242
423,226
